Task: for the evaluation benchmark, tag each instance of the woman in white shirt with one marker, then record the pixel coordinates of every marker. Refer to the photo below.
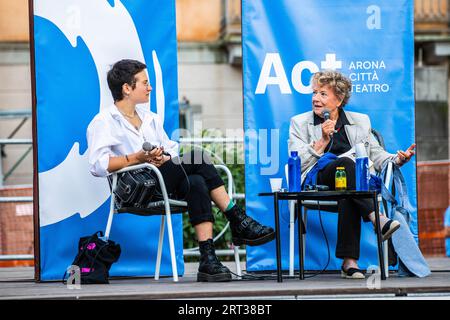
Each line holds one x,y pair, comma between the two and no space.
115,138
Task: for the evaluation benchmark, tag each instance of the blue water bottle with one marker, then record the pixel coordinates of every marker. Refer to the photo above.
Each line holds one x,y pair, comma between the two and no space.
362,174
295,172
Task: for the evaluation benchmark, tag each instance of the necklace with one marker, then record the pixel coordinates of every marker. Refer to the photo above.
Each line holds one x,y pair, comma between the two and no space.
132,117
128,116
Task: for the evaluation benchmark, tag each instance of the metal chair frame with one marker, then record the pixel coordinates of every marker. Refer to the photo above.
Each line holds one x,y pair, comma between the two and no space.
331,206
165,208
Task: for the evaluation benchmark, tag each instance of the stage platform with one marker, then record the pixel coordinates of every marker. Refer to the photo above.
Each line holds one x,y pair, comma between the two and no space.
18,283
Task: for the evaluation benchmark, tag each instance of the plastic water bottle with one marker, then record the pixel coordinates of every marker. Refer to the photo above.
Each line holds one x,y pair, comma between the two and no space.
340,179
362,174
295,172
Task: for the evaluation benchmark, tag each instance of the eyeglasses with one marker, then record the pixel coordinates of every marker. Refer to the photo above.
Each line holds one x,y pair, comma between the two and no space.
322,94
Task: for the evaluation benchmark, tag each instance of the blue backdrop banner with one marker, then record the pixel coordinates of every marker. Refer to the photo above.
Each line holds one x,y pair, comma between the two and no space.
76,42
284,43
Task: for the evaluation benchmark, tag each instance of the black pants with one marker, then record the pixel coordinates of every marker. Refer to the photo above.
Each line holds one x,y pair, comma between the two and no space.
350,210
193,184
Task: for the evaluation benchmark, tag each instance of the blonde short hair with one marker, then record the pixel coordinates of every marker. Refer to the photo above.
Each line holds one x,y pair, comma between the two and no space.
340,84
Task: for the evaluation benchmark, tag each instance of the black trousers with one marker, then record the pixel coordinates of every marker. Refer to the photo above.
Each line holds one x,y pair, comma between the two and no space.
193,184
350,210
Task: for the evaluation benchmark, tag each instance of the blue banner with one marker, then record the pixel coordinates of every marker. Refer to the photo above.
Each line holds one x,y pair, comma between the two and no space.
76,42
284,43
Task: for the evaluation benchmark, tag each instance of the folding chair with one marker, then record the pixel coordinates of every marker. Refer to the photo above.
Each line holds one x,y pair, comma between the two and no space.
331,206
164,208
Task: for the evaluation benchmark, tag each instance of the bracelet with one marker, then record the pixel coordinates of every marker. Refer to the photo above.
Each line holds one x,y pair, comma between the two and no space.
126,157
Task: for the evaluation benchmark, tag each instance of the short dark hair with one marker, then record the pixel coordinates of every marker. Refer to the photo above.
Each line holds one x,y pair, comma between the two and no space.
122,72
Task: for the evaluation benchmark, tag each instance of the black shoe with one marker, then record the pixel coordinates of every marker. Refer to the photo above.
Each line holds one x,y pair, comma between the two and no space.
389,228
352,273
246,230
210,268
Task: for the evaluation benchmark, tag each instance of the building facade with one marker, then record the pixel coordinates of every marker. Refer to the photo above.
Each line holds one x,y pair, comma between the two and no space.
210,75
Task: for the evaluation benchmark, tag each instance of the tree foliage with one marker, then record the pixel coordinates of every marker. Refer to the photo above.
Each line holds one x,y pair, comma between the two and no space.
232,155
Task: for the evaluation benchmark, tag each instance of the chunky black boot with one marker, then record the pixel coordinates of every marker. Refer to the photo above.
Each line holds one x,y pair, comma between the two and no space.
246,230
210,268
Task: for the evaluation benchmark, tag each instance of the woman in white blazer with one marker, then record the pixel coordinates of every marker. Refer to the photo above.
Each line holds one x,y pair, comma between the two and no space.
312,136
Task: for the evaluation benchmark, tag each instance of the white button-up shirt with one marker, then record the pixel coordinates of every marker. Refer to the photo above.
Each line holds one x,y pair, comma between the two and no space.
110,135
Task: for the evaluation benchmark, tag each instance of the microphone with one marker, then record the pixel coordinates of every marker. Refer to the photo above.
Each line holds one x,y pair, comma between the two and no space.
147,146
326,116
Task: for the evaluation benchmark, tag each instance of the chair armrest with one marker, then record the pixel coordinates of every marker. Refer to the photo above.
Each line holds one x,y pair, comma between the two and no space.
161,179
136,166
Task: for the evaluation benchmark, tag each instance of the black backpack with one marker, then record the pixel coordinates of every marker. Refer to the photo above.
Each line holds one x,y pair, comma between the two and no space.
95,257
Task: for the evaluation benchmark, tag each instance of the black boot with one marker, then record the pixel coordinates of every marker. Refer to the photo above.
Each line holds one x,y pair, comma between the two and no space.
246,230
210,268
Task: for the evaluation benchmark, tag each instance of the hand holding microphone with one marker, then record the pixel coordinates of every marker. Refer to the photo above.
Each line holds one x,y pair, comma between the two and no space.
328,126
153,154
148,147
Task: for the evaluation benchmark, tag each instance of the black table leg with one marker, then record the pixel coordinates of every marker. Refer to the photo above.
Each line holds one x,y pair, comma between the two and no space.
300,239
379,242
277,238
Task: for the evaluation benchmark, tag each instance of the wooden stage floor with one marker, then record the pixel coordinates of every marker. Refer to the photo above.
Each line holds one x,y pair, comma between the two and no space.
18,283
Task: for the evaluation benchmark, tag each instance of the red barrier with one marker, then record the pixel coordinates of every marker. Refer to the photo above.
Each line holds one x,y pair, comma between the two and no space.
433,188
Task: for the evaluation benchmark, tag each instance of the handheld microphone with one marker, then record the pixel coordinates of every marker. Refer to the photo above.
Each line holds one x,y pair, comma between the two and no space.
147,146
326,116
